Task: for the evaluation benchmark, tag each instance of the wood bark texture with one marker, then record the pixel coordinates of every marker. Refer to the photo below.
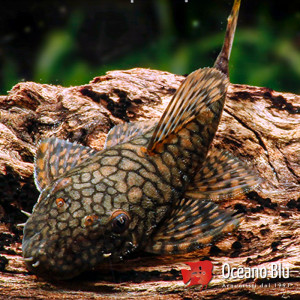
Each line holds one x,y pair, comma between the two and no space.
258,125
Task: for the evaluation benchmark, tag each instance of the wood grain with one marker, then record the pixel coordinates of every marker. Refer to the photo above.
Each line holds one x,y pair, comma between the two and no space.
259,125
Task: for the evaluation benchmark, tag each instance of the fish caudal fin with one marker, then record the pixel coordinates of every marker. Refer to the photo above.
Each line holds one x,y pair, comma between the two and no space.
222,60
54,157
123,133
201,89
222,176
191,225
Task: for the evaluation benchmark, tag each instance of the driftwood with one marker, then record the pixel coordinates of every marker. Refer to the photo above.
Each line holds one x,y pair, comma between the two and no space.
259,125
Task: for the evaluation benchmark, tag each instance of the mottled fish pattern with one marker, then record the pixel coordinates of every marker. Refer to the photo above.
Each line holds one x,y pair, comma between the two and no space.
152,188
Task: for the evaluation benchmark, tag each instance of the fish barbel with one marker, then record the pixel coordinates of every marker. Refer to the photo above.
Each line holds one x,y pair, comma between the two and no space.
150,189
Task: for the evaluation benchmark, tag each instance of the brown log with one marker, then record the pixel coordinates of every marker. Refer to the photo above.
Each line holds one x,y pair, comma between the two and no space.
259,125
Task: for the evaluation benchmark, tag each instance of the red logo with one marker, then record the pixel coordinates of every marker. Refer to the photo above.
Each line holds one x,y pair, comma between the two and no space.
200,273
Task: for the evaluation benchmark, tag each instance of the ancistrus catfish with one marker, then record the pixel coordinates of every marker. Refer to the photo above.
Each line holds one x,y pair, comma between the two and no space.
150,189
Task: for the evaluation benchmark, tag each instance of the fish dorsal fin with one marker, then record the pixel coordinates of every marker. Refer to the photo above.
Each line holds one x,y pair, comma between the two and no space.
54,157
221,176
191,225
200,89
123,133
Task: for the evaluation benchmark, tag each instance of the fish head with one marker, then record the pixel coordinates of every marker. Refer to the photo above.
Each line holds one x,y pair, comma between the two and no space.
76,226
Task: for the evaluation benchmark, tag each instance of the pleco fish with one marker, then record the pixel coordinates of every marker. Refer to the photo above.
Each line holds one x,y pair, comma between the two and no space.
150,189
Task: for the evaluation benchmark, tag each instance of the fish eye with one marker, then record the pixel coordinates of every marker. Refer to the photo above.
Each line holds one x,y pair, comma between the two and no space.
120,221
60,202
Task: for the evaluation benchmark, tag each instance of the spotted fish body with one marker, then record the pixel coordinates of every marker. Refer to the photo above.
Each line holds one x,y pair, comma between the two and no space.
149,189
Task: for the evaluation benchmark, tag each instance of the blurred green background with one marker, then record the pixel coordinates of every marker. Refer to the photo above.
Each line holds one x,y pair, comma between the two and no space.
68,43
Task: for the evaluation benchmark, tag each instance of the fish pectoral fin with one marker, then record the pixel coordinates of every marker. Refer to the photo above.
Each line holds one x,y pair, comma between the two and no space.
191,225
222,176
200,89
54,157
123,133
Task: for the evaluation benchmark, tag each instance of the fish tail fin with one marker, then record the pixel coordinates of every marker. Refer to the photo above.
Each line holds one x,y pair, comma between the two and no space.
222,60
